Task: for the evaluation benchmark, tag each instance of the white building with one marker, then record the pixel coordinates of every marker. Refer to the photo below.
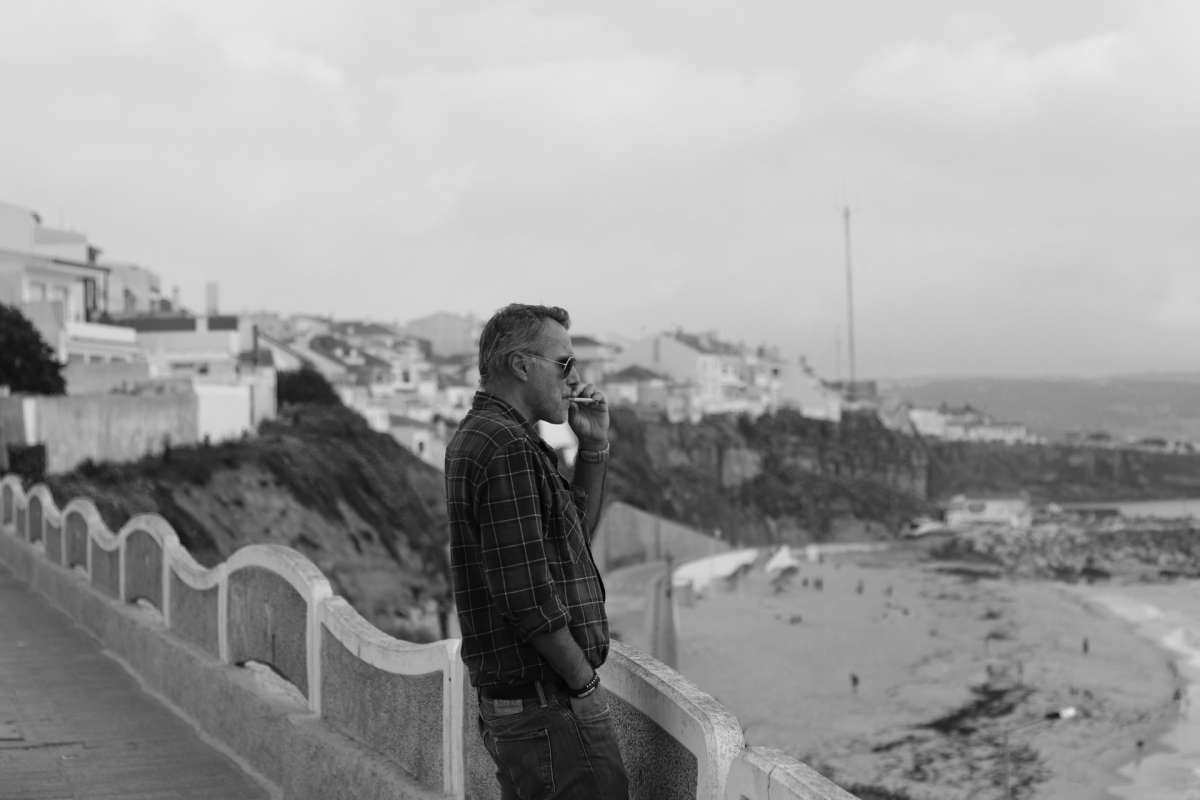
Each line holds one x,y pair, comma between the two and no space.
801,389
711,367
185,345
448,334
1012,510
968,424
52,277
131,289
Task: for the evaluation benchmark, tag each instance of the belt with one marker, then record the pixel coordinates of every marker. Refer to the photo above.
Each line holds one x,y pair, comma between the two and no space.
523,691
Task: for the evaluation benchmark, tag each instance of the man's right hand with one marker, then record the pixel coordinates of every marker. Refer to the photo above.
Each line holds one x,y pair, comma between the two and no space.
589,707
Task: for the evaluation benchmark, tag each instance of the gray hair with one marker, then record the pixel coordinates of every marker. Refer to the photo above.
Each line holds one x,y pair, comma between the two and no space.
514,328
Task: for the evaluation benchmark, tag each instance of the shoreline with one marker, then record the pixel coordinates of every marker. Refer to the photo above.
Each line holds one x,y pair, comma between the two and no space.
1166,768
924,642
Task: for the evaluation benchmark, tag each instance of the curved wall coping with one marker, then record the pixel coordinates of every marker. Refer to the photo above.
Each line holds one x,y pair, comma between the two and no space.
764,772
50,512
96,526
308,581
294,567
13,482
701,724
156,527
189,570
381,651
398,657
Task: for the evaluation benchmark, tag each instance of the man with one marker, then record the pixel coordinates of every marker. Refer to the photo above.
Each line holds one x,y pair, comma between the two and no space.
530,599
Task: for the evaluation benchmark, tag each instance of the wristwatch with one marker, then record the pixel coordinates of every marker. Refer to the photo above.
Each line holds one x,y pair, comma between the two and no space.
593,456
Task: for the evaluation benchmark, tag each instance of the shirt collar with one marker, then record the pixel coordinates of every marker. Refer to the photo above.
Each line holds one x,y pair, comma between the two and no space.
485,400
488,401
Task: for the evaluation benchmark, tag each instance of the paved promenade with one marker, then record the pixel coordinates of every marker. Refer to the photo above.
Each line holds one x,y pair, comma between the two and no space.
74,724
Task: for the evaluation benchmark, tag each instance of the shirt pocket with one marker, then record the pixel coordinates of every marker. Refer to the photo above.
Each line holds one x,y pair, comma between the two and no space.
565,530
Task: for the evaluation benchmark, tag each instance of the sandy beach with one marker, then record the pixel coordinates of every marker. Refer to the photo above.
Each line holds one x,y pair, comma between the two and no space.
946,664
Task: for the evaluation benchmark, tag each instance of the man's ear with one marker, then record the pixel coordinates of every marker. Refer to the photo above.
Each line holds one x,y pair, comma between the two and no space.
516,366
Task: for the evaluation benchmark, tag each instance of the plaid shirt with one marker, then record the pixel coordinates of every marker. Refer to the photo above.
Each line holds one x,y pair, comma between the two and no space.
519,557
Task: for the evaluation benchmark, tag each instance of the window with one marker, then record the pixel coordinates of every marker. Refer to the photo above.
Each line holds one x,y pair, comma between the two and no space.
37,291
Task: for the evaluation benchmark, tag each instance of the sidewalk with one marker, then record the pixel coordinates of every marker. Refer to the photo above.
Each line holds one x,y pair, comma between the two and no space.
74,725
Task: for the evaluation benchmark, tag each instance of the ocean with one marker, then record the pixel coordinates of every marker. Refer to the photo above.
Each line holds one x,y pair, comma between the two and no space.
1160,509
1169,615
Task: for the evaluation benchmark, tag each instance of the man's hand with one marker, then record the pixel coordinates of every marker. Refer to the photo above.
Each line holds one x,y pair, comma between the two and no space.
590,421
588,707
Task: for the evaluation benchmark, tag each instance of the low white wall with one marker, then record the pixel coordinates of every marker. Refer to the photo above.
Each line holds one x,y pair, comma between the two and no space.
223,412
671,713
700,573
628,535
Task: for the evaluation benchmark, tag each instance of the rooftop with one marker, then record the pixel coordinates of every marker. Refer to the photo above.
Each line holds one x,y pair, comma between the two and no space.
707,342
360,328
177,323
635,372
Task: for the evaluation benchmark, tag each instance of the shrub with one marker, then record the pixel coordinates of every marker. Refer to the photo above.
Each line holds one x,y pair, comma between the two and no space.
304,385
28,462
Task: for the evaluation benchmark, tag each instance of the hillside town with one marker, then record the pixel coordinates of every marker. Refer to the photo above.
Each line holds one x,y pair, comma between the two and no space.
120,333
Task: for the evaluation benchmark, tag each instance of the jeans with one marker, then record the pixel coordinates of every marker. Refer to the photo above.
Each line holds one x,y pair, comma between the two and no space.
544,751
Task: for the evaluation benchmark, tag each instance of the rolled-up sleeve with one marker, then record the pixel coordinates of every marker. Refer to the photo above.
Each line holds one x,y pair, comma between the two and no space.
515,566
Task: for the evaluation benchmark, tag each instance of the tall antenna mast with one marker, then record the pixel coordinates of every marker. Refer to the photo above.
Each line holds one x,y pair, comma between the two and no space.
849,295
837,351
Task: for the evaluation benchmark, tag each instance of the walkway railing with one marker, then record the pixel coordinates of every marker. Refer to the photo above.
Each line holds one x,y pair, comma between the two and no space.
381,716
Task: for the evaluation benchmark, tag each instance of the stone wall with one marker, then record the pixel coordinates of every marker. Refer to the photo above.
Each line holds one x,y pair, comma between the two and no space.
126,427
628,535
102,427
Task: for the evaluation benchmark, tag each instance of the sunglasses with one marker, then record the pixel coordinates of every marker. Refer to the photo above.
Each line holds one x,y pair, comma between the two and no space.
565,366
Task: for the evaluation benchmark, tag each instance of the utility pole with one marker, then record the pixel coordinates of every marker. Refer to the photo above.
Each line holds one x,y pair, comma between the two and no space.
849,294
837,352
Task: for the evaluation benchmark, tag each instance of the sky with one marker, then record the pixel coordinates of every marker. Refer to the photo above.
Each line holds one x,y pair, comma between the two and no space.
1023,177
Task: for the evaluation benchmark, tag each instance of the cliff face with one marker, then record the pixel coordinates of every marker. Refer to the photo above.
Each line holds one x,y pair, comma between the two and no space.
784,477
365,510
1061,473
778,478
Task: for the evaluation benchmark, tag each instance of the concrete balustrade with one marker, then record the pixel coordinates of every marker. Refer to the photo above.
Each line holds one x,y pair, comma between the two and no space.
192,596
37,501
372,680
763,772
146,537
269,611
381,717
75,532
685,739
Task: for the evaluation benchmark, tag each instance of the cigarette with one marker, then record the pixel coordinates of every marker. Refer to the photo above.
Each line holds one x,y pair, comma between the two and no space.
583,401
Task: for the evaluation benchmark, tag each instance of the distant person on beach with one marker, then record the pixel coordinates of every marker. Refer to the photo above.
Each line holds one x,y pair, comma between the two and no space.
1086,647
530,600
854,682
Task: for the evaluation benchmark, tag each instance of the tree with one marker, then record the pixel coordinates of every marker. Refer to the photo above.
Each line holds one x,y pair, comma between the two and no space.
27,363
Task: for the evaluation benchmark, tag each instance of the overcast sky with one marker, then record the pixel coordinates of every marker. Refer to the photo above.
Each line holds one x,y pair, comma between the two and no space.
1024,176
